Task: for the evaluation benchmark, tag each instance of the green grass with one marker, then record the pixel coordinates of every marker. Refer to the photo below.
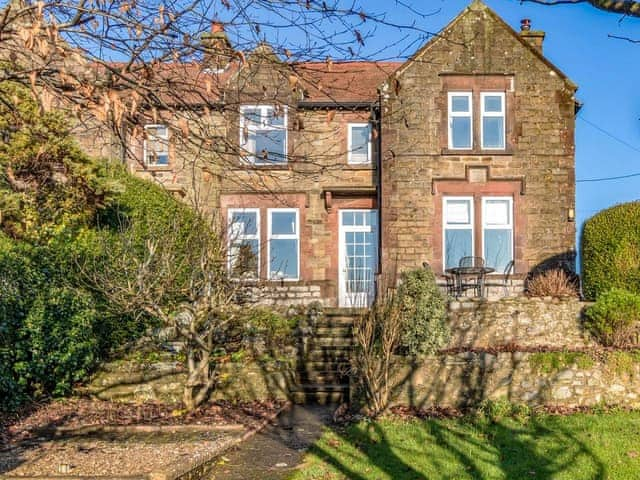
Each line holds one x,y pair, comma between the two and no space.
575,447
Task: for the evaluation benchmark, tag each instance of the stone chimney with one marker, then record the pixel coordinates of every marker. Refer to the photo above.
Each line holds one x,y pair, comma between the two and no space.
217,49
533,37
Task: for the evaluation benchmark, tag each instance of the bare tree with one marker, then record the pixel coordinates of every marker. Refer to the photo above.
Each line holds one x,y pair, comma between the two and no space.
377,333
177,275
623,7
126,63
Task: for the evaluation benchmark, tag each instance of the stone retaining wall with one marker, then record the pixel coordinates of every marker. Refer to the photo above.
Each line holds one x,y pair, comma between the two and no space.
517,320
163,381
468,378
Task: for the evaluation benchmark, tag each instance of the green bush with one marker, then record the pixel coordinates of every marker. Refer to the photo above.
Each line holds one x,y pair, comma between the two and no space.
611,251
275,328
424,311
615,317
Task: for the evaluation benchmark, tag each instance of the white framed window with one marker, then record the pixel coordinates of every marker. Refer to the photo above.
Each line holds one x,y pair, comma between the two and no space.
460,120
359,144
283,243
263,134
244,242
492,123
457,229
156,145
497,231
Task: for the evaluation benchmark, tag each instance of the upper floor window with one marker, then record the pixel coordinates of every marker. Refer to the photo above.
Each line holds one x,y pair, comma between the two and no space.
483,131
263,134
492,125
156,145
244,242
460,121
359,143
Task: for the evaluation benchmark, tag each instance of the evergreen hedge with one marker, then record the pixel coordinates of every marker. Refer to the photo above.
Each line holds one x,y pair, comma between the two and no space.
611,251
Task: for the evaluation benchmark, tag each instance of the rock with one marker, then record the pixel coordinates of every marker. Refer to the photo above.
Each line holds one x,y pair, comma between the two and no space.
561,393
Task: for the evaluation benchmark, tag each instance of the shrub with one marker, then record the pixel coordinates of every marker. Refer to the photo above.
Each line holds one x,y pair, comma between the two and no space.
552,283
424,311
611,250
615,317
275,328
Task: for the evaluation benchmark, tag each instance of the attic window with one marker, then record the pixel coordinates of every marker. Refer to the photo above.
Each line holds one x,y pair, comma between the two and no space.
263,134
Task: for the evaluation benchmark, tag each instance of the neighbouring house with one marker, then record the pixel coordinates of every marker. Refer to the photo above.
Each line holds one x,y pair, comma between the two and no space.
329,174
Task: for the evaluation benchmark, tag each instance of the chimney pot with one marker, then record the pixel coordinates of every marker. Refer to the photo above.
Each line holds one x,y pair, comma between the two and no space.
525,24
217,27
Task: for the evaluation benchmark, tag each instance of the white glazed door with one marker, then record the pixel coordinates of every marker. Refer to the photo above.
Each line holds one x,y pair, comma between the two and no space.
358,257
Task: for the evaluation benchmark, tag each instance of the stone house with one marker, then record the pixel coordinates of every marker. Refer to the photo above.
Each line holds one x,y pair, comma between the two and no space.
327,175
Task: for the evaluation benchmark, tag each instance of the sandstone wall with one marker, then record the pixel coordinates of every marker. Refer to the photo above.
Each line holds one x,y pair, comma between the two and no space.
466,379
477,52
163,381
526,322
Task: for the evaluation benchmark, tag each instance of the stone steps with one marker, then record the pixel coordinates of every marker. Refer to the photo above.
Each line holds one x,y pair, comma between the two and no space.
323,369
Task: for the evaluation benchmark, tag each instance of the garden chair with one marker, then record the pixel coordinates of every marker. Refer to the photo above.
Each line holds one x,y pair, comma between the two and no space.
506,280
473,282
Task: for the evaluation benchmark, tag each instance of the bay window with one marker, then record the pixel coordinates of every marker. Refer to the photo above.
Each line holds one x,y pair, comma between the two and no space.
263,134
284,244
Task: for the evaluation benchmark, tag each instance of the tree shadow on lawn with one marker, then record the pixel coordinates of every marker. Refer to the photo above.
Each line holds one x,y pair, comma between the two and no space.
458,449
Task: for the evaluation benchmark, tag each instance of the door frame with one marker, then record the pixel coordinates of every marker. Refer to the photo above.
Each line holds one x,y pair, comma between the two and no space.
343,300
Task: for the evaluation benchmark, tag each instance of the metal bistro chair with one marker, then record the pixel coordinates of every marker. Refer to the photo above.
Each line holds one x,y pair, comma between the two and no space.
506,278
476,283
450,279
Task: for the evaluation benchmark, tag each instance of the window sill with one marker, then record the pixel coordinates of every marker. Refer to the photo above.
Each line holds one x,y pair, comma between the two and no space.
360,166
476,152
155,168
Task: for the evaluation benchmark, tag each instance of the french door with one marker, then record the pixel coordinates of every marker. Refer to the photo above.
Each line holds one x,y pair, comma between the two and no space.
358,257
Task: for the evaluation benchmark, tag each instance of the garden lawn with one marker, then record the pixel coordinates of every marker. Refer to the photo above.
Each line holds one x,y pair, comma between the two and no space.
574,447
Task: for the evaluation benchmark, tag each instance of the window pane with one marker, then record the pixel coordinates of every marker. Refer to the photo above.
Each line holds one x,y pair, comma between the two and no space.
244,223
492,132
252,115
371,218
360,144
348,218
284,258
497,212
461,132
459,103
498,248
493,103
159,159
458,244
275,119
244,259
270,146
458,212
283,223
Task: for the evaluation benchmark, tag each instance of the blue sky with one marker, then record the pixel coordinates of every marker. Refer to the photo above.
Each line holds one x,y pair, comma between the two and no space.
606,70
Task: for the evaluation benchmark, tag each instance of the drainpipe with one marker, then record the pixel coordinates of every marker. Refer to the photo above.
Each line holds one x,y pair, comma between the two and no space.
378,117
